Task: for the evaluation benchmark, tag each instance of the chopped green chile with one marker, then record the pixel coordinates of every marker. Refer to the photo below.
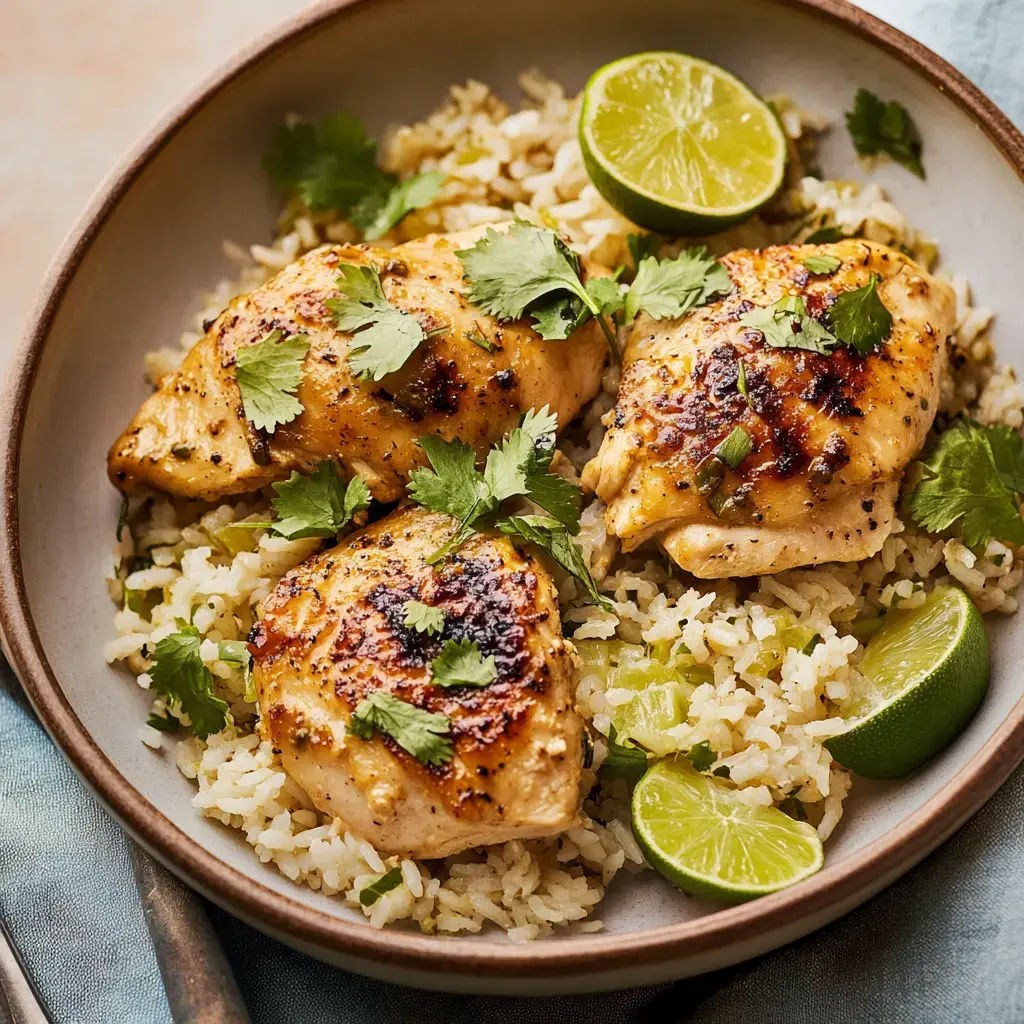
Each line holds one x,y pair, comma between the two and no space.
735,448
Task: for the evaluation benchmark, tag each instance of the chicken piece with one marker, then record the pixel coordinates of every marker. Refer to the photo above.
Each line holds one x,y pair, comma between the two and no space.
191,437
333,632
832,433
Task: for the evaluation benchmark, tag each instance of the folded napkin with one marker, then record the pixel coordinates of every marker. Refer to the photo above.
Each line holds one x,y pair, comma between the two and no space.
941,946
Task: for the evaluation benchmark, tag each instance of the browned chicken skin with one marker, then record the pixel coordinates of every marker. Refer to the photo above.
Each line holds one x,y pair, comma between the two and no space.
333,632
832,433
191,437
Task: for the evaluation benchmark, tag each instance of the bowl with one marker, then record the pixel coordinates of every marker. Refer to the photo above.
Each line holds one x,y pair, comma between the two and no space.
129,274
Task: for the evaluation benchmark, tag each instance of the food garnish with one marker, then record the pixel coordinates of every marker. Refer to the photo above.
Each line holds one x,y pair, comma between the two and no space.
826,265
180,676
371,893
824,236
418,732
384,337
701,756
623,760
735,448
879,127
330,164
460,664
669,288
236,652
423,618
974,479
785,324
268,374
859,318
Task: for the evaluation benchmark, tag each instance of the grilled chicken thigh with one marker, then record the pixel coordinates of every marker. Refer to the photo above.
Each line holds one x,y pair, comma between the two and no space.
333,633
191,438
832,433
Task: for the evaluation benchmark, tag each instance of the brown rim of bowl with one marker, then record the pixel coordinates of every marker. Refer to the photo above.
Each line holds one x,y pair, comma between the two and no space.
835,886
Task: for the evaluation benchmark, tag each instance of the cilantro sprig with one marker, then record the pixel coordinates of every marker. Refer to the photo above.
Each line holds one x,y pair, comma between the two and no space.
879,127
418,732
666,289
384,337
973,482
423,618
785,324
858,318
518,467
180,677
460,663
268,373
331,164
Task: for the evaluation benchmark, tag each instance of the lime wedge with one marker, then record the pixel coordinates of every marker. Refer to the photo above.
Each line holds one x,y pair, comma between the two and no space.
925,671
697,833
678,145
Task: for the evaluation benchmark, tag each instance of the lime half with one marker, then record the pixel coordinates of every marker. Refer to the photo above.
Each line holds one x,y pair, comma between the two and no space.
925,671
697,833
679,145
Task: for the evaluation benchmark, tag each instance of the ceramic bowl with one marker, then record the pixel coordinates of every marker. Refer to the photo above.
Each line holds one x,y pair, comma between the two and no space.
129,275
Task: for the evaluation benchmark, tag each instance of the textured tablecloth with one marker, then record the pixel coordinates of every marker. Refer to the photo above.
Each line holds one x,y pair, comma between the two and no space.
942,946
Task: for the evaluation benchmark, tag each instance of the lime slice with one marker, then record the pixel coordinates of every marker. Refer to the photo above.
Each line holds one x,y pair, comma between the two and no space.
679,145
925,671
697,833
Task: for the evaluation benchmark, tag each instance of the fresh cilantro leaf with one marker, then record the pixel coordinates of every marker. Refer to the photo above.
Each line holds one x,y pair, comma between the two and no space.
822,264
163,723
460,664
642,246
668,288
701,756
735,448
453,485
318,505
179,675
607,293
859,318
549,535
369,894
824,235
329,164
376,214
963,486
384,337
416,731
785,324
878,127
623,760
1008,452
423,618
558,315
268,375
122,517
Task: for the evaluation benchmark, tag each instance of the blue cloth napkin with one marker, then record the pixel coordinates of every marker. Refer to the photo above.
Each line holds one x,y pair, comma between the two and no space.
942,946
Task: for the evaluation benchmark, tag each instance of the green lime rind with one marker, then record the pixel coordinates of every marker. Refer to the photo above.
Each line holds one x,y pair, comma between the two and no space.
698,834
679,145
926,671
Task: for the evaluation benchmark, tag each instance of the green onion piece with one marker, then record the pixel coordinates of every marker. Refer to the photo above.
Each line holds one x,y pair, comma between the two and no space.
735,448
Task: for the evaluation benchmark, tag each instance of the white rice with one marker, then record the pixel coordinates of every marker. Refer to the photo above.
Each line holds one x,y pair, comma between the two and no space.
762,697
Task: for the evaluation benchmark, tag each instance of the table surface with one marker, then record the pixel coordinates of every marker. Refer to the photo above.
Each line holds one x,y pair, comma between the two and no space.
80,81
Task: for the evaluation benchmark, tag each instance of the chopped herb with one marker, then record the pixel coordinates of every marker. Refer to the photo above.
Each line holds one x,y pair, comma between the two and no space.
481,340
827,265
735,448
879,127
964,487
377,213
623,761
460,664
529,270
669,288
785,324
824,235
318,505
423,618
384,337
1008,452
794,808
163,723
722,771
418,732
808,647
182,451
122,517
607,293
236,652
268,375
741,381
859,318
373,892
179,675
701,756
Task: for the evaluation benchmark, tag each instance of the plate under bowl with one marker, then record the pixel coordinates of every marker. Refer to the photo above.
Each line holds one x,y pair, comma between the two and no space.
130,273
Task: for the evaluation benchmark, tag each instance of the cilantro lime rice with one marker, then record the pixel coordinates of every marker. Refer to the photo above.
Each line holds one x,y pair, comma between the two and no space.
765,664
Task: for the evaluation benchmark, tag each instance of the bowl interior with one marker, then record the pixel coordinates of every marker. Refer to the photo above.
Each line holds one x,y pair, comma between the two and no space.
391,61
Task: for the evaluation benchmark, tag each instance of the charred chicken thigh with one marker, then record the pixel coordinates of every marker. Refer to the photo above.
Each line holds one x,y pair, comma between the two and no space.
470,378
334,634
830,432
